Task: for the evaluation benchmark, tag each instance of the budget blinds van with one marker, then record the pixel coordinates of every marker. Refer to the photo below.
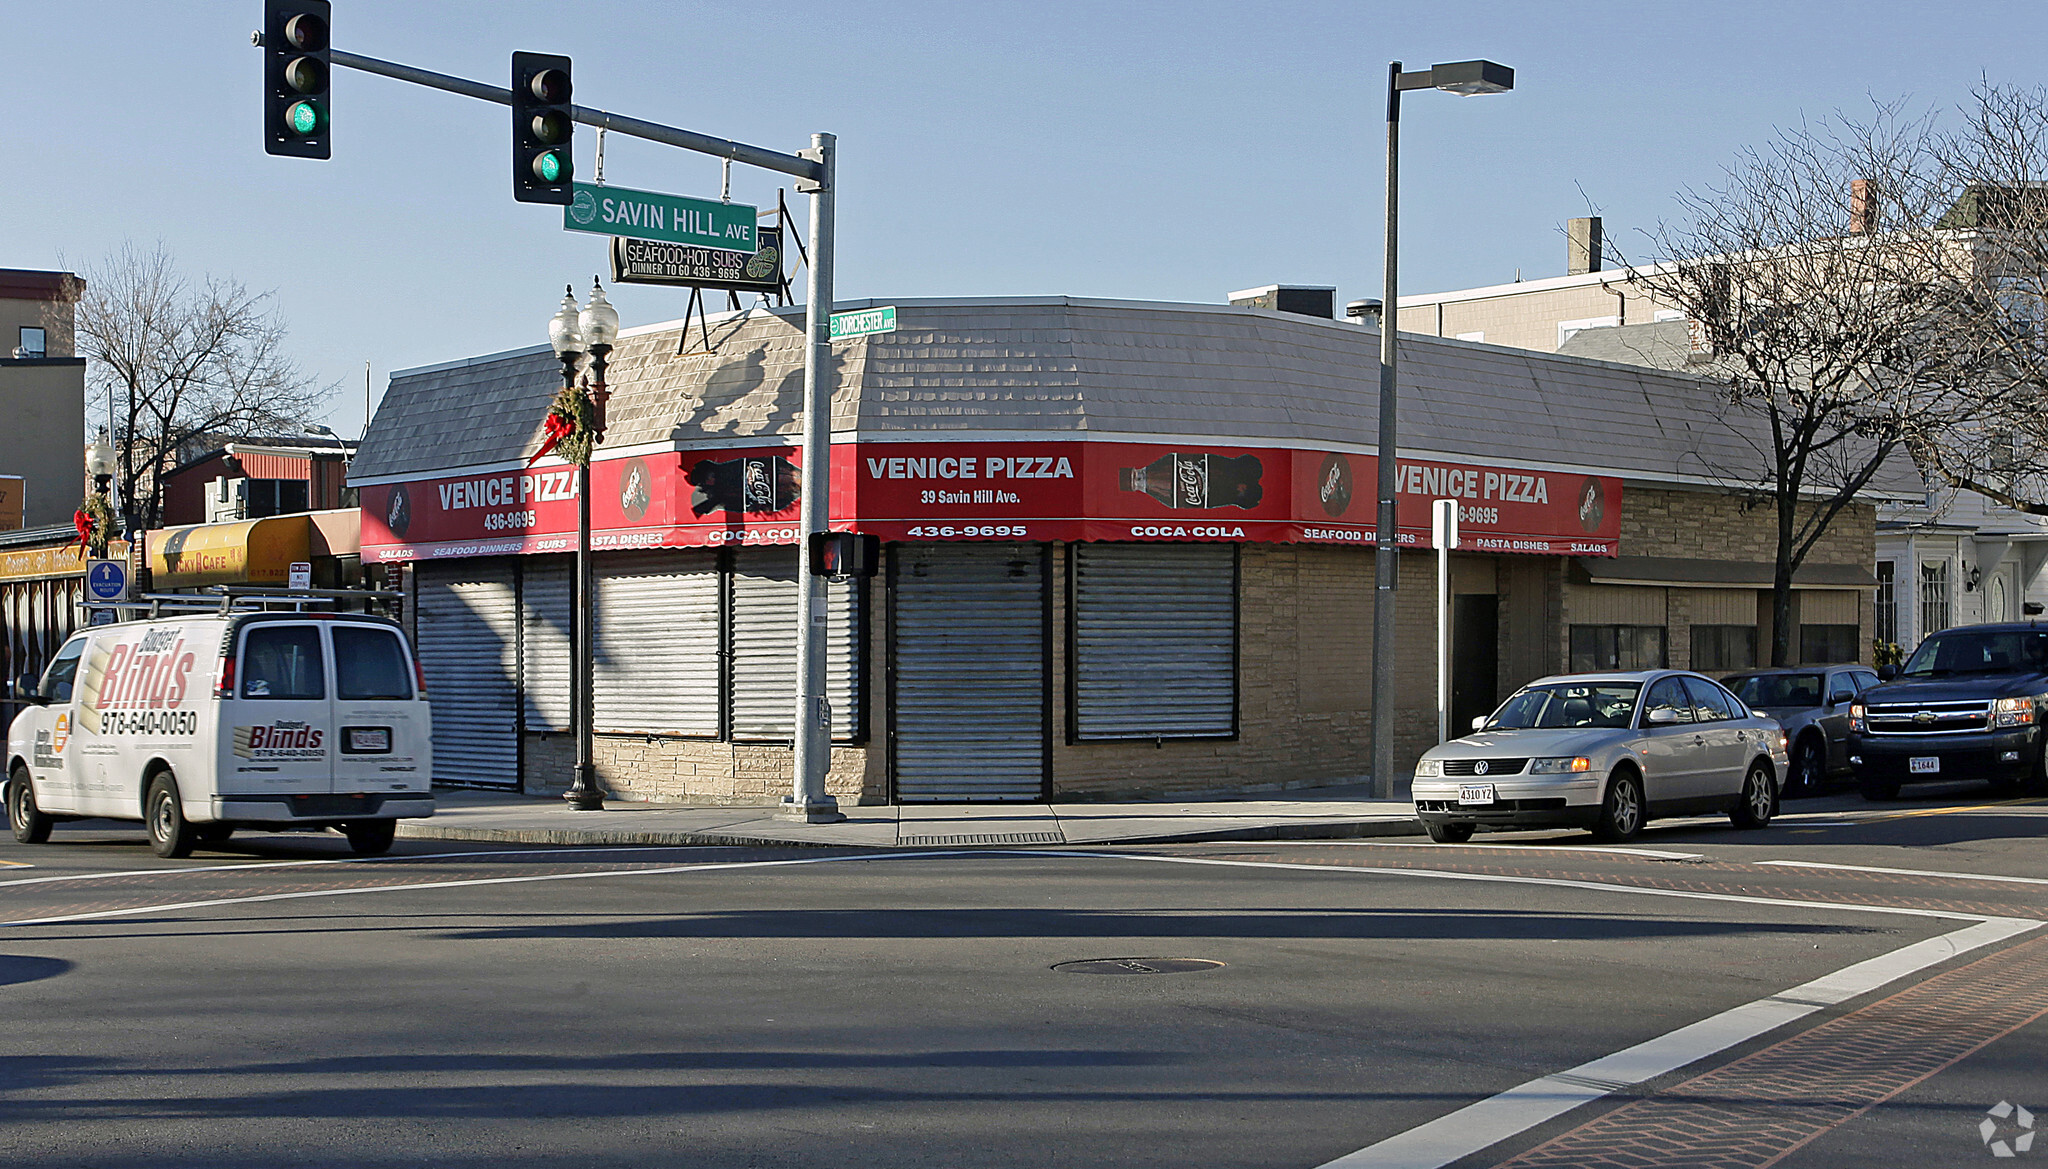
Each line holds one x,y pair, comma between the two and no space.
200,725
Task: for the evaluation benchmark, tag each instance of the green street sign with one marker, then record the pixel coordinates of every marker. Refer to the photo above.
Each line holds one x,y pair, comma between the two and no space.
864,323
678,219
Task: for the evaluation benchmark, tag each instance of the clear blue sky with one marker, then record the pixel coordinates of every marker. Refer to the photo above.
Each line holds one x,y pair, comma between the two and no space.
1161,150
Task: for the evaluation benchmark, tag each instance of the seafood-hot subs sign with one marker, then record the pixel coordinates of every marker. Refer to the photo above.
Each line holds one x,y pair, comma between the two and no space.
970,490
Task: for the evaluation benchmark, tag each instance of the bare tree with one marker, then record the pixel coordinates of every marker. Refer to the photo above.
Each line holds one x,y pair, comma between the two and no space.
1996,335
1809,274
182,360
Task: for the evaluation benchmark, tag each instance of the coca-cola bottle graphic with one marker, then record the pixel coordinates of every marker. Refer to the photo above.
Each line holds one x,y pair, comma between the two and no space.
755,484
1203,480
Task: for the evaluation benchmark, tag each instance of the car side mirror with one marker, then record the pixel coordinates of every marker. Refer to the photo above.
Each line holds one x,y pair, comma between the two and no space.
1479,723
1887,673
23,690
1662,716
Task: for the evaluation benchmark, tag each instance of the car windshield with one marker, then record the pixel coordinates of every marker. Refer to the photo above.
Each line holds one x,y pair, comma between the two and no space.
1568,704
1777,689
1979,651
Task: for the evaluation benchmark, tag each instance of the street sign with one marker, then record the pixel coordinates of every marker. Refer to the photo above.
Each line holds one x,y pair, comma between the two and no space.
106,580
299,576
645,261
676,219
864,323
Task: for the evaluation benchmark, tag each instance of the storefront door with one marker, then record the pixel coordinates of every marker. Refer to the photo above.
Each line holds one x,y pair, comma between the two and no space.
969,708
1475,658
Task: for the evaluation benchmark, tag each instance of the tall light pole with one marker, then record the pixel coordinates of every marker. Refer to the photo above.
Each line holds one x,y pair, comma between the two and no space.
1464,78
565,337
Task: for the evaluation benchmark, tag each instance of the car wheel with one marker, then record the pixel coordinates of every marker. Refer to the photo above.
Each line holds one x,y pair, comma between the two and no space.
370,837
29,824
1809,770
1621,810
1758,800
170,834
1450,833
1877,790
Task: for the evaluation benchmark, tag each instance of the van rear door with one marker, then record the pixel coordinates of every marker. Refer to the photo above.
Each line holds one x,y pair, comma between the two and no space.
281,722
381,724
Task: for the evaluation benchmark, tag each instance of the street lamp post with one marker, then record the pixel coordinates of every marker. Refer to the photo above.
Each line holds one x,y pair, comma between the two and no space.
1464,78
565,336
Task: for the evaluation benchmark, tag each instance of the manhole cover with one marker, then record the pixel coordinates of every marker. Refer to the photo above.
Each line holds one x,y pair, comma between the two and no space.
1138,966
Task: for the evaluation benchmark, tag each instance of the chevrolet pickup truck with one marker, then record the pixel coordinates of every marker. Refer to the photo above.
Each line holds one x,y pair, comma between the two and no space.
1969,704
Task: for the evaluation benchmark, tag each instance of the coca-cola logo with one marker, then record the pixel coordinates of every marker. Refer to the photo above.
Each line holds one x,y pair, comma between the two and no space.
1194,480
1592,505
760,489
1333,485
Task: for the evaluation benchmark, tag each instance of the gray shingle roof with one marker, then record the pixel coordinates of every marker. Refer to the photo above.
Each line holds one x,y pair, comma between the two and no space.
1059,365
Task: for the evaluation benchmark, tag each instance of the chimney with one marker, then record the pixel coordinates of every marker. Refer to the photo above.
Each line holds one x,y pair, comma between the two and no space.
1582,251
1310,300
1862,207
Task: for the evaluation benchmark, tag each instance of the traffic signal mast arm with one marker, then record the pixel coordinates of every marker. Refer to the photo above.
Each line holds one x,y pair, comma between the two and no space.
803,168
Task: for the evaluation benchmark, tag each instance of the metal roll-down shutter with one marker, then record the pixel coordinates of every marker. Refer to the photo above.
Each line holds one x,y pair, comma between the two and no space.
764,648
1155,641
466,621
546,641
968,647
658,646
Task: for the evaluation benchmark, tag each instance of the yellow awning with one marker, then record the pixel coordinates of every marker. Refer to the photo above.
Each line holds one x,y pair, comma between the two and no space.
245,552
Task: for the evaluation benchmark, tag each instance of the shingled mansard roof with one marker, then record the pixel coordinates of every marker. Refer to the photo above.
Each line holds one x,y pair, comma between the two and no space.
1066,367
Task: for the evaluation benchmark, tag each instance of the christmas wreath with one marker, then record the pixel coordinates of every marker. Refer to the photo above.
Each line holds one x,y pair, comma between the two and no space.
566,429
94,520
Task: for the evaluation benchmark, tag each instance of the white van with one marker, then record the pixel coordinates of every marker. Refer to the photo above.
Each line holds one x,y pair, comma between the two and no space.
199,725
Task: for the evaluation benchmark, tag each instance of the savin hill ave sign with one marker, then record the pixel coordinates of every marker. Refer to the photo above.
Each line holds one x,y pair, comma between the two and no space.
678,219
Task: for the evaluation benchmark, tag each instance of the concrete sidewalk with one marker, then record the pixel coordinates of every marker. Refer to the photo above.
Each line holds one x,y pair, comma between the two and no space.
1319,813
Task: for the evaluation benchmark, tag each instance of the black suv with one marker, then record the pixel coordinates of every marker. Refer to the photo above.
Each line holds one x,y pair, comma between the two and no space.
1969,704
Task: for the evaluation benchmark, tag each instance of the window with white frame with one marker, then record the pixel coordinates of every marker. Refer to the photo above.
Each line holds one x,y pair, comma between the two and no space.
1887,609
1565,329
1935,602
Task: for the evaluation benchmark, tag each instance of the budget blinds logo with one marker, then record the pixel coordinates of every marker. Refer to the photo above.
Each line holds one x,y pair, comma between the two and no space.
2007,1130
282,740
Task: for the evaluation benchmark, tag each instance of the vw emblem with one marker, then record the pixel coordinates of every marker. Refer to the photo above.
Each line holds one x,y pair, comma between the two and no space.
1924,718
1479,768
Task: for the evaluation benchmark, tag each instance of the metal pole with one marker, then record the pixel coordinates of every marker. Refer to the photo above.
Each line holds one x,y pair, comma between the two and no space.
812,736
584,794
1386,556
1446,525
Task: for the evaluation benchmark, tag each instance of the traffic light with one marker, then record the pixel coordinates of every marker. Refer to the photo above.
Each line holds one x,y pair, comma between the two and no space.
296,71
542,126
845,553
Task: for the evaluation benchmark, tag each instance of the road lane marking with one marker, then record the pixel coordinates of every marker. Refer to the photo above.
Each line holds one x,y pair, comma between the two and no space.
1904,872
1881,817
352,860
1652,853
1479,1126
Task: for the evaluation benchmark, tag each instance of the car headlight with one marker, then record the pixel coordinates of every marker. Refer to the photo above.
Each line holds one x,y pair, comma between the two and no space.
1429,769
1856,722
2013,712
1561,766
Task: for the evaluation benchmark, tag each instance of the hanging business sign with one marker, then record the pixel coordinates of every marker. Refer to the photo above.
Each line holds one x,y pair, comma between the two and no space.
1058,489
646,261
676,219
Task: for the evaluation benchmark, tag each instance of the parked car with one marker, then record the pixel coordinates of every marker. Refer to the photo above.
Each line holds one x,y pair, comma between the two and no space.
201,725
1812,704
1967,705
1604,751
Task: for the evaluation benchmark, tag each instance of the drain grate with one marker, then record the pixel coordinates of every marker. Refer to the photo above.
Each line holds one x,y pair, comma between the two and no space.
990,838
1138,966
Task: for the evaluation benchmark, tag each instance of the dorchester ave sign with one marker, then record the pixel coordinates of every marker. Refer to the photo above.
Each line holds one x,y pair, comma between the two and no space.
678,219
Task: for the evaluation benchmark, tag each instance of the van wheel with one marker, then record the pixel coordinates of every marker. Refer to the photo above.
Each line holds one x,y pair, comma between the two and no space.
370,837
170,834
1754,807
29,824
1621,810
1450,833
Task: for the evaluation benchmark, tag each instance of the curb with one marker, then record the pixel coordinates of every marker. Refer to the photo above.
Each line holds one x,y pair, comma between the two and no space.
1343,830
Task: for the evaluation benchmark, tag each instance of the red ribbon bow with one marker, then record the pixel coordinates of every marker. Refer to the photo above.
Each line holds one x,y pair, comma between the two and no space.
556,427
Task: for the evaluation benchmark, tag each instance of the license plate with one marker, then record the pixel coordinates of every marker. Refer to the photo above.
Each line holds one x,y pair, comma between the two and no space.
1924,764
1475,793
369,740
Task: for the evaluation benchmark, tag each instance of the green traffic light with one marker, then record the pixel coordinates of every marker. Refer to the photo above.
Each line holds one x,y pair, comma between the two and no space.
303,117
549,166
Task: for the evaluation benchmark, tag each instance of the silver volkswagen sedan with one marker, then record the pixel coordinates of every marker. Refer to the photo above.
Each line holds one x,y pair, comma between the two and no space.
1604,751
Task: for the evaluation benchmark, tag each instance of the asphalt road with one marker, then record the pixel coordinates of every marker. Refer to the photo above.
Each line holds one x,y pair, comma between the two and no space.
277,1003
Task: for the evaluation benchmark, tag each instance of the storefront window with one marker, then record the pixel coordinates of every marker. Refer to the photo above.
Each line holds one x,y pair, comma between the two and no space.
1617,647
1723,647
1827,644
